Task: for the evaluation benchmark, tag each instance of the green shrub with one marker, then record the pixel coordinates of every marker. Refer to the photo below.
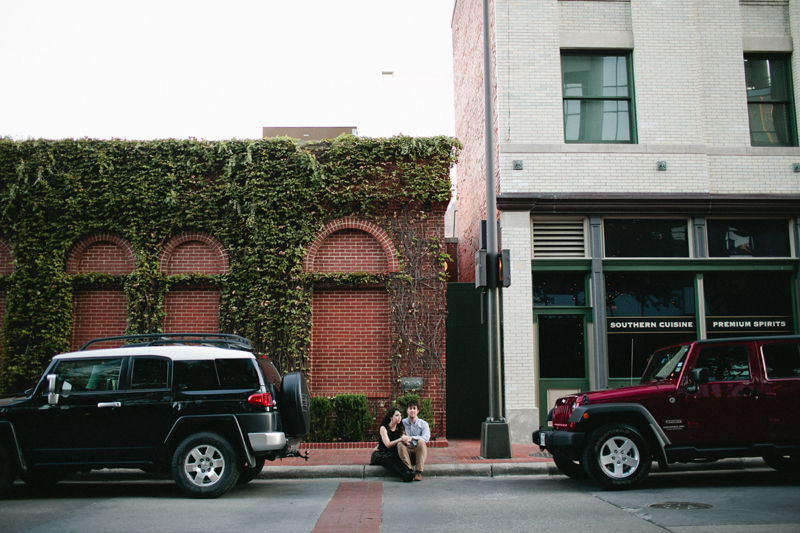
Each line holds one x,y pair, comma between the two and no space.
321,420
425,407
353,417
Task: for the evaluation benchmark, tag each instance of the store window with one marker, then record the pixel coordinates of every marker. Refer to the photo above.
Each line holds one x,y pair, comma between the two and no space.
769,100
598,98
559,289
639,237
748,304
749,238
646,311
561,347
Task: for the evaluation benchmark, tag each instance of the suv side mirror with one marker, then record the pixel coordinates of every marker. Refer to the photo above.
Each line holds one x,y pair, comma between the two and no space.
52,395
699,375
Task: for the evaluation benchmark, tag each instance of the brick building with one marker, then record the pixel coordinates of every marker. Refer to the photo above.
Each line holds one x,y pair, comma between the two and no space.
647,178
333,261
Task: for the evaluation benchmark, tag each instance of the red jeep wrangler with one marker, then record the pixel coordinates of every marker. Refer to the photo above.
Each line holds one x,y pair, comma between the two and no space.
706,399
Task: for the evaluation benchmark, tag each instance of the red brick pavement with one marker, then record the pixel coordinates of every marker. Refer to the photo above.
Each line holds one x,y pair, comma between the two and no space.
456,452
355,507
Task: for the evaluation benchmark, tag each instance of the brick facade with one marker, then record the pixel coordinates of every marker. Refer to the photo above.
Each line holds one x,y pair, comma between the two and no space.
691,111
192,310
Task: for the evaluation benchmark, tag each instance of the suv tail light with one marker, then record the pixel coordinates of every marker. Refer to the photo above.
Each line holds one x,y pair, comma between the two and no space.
263,399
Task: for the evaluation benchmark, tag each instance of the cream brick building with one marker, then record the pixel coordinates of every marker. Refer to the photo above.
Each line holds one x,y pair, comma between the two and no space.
648,180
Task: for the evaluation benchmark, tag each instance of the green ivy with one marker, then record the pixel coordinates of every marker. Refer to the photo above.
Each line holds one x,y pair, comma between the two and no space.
265,200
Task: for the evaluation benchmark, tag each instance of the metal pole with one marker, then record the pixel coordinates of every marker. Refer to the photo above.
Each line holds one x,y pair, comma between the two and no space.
495,441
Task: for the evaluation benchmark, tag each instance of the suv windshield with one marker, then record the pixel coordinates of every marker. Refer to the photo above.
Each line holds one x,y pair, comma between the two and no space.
665,364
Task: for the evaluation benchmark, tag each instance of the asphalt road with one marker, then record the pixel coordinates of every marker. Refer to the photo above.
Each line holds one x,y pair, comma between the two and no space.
739,501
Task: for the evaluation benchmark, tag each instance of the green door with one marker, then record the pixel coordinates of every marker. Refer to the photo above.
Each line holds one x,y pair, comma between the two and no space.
563,367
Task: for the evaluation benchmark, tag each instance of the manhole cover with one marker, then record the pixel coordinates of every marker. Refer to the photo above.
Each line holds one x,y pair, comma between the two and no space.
680,505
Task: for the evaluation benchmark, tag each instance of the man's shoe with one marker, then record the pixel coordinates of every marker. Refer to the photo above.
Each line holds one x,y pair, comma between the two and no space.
418,476
408,476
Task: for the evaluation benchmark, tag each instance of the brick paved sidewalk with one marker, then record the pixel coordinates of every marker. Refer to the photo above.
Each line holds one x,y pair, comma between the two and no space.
456,452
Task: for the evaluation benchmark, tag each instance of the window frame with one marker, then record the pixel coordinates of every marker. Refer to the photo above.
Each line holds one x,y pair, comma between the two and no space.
792,117
631,98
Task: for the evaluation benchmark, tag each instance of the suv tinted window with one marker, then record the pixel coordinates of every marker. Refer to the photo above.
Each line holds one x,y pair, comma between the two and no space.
781,361
237,374
194,375
725,363
149,373
77,375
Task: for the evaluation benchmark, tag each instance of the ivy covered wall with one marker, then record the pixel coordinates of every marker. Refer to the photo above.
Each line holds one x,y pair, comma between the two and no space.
264,200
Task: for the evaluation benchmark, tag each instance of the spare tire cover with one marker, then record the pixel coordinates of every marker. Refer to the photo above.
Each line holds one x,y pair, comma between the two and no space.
295,405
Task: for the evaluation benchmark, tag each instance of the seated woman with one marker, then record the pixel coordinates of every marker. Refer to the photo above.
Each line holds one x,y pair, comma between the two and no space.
391,436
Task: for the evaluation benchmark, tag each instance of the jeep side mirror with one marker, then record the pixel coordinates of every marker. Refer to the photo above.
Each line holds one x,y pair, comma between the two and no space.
699,375
52,395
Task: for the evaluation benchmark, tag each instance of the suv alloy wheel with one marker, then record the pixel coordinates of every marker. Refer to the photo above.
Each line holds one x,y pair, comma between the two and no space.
617,456
205,465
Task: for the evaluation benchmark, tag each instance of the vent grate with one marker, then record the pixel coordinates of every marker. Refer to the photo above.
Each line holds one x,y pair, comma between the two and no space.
559,239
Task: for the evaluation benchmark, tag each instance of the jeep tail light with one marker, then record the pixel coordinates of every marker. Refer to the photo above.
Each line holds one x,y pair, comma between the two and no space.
263,399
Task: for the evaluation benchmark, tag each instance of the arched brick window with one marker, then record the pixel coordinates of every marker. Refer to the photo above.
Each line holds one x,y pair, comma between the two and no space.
6,267
193,309
99,312
351,326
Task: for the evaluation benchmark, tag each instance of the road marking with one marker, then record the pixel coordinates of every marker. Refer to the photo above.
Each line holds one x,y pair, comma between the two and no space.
355,507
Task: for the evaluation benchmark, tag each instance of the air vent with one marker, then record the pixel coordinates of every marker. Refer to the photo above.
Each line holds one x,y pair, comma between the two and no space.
558,239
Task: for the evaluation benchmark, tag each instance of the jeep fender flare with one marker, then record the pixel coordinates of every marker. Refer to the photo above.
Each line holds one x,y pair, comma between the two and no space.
593,410
200,423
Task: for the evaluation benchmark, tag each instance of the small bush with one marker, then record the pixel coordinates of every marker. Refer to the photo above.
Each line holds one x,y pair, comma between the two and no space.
425,407
353,417
322,427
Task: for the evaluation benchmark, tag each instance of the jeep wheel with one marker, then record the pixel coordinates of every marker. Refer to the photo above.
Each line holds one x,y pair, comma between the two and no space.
294,404
205,466
783,463
617,456
568,467
249,474
8,471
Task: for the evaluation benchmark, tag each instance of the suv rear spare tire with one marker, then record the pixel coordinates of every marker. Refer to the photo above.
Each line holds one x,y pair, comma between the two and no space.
616,456
294,405
205,465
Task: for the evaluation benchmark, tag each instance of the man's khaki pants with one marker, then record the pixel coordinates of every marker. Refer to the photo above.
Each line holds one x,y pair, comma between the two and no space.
415,455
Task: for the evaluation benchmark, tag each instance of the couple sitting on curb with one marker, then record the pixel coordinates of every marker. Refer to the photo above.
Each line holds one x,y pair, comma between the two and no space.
403,442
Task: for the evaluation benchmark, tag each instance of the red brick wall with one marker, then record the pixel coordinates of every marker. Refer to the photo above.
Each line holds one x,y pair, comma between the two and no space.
192,310
2,318
470,126
106,257
98,313
350,250
193,256
350,342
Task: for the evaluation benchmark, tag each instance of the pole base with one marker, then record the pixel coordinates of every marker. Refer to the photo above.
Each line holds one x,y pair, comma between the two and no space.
495,441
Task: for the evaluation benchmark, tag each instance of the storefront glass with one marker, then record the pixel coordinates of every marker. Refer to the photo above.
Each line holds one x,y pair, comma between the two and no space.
748,303
646,311
639,237
559,289
748,237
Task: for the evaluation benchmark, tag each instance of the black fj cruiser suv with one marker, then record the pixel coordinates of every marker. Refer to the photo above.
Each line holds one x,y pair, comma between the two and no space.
200,406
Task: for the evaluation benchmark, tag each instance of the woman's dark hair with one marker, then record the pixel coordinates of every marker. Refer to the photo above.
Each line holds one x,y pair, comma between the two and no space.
388,416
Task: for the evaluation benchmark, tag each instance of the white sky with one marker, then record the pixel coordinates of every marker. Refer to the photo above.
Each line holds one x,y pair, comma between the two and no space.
149,69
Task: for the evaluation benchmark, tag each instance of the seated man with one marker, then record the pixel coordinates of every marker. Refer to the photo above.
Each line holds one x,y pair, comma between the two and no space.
415,441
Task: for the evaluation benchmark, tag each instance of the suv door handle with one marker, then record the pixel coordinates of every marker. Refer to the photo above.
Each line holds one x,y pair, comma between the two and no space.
109,404
747,391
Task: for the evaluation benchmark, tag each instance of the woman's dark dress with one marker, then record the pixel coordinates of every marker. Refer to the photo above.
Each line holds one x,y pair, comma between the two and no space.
388,457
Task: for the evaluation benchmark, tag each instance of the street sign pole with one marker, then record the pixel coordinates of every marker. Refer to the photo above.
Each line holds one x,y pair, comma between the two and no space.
495,439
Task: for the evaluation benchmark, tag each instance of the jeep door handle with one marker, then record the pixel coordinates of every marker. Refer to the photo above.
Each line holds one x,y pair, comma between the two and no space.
747,391
109,404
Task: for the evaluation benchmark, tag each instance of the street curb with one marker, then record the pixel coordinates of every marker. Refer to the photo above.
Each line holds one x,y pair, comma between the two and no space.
541,468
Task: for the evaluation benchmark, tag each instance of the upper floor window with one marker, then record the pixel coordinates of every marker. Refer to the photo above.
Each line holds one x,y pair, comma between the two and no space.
598,98
769,100
641,237
748,238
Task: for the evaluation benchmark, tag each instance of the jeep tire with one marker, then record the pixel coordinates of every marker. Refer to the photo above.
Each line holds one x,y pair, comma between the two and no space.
294,405
205,465
616,456
568,467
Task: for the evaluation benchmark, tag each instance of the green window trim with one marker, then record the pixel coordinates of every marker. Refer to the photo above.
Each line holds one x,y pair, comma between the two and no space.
598,97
